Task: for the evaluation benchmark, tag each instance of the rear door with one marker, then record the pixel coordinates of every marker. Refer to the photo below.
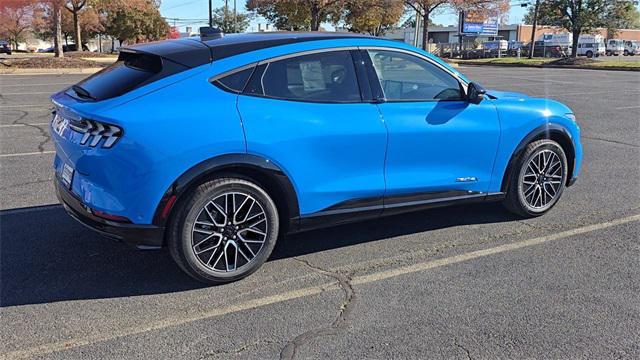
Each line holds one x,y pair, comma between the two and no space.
305,112
440,145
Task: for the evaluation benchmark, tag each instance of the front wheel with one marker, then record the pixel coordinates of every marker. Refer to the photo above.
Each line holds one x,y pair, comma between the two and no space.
224,230
537,180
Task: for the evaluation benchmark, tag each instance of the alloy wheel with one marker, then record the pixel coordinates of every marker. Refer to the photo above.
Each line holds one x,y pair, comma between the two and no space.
542,179
229,232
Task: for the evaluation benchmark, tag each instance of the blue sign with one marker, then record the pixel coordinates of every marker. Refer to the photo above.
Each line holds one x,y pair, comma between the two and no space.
472,24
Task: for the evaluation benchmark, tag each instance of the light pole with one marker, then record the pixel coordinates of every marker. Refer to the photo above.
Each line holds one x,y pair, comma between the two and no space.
210,14
533,30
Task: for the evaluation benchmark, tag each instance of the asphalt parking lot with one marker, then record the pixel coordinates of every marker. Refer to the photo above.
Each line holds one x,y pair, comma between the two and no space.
464,282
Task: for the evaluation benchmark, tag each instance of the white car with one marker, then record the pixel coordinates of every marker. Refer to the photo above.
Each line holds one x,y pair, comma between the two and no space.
615,47
631,48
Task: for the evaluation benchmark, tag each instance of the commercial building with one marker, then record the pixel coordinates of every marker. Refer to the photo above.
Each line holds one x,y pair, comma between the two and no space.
449,34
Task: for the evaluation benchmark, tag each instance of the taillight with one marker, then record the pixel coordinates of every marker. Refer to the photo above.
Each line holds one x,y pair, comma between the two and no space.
94,131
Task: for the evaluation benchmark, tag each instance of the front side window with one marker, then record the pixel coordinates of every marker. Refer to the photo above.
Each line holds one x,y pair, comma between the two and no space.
320,77
404,77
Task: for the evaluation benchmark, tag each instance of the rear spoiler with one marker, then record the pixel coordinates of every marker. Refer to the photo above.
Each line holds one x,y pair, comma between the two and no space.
187,52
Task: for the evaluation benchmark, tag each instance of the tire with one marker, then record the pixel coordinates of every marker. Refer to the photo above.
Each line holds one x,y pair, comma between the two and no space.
589,54
201,216
626,53
531,195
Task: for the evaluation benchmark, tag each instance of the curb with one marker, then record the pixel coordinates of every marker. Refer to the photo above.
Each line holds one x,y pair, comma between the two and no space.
544,66
61,71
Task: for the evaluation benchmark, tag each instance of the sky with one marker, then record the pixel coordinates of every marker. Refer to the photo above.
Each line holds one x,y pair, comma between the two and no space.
194,13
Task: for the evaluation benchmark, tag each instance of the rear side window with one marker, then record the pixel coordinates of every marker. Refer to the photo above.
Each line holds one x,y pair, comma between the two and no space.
322,77
131,71
234,82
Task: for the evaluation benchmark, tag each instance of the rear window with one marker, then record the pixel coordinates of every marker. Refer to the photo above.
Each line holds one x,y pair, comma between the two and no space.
131,71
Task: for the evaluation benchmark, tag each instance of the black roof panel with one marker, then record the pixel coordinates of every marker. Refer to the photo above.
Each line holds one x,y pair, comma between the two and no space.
192,52
234,44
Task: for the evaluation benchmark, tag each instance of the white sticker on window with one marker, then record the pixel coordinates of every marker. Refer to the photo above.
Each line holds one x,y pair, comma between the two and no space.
312,79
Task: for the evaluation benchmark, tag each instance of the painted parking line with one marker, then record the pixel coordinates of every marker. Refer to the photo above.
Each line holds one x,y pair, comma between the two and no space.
22,125
27,154
47,106
183,319
30,93
31,85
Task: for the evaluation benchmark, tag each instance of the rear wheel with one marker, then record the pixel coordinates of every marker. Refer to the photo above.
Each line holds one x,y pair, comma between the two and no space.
224,230
537,181
589,54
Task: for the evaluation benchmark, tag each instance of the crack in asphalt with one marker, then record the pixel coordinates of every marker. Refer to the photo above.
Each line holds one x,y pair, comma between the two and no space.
611,141
238,350
340,322
44,133
456,343
20,117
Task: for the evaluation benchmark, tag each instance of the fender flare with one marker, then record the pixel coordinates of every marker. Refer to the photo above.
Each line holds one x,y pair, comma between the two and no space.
254,164
546,131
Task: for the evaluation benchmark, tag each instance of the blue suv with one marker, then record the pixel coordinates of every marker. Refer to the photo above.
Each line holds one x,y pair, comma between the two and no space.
215,147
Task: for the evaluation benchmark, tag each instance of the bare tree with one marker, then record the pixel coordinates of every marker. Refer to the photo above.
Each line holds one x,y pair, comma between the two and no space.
74,6
57,31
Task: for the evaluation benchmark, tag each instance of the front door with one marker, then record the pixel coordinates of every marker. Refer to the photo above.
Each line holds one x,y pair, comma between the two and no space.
440,145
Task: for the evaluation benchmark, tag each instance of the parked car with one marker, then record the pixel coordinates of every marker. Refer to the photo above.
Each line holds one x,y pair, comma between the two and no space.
5,48
541,50
615,47
66,48
631,48
215,149
496,48
514,47
591,46
591,50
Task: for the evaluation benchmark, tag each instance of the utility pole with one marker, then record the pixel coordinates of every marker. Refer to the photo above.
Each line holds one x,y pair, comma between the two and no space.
235,17
533,31
210,14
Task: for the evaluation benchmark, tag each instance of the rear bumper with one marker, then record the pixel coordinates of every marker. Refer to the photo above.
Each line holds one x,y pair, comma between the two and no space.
142,236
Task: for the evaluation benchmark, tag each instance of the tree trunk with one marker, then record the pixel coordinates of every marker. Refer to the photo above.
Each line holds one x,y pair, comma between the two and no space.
76,31
425,30
315,17
57,36
576,38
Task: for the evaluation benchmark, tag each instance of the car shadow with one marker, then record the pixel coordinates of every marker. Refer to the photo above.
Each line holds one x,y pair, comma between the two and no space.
46,256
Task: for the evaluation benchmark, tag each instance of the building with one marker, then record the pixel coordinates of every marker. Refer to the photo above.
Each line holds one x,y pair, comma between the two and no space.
449,34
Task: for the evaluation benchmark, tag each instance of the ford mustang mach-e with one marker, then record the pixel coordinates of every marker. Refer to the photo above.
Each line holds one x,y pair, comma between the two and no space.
214,147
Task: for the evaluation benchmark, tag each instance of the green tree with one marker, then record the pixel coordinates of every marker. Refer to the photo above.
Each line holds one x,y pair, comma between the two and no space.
623,16
133,20
374,17
223,19
584,16
298,15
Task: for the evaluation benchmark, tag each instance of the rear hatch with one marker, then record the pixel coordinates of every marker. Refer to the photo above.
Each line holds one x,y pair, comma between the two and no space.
140,65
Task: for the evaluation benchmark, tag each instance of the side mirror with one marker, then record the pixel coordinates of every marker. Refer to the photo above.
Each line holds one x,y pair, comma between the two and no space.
475,93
